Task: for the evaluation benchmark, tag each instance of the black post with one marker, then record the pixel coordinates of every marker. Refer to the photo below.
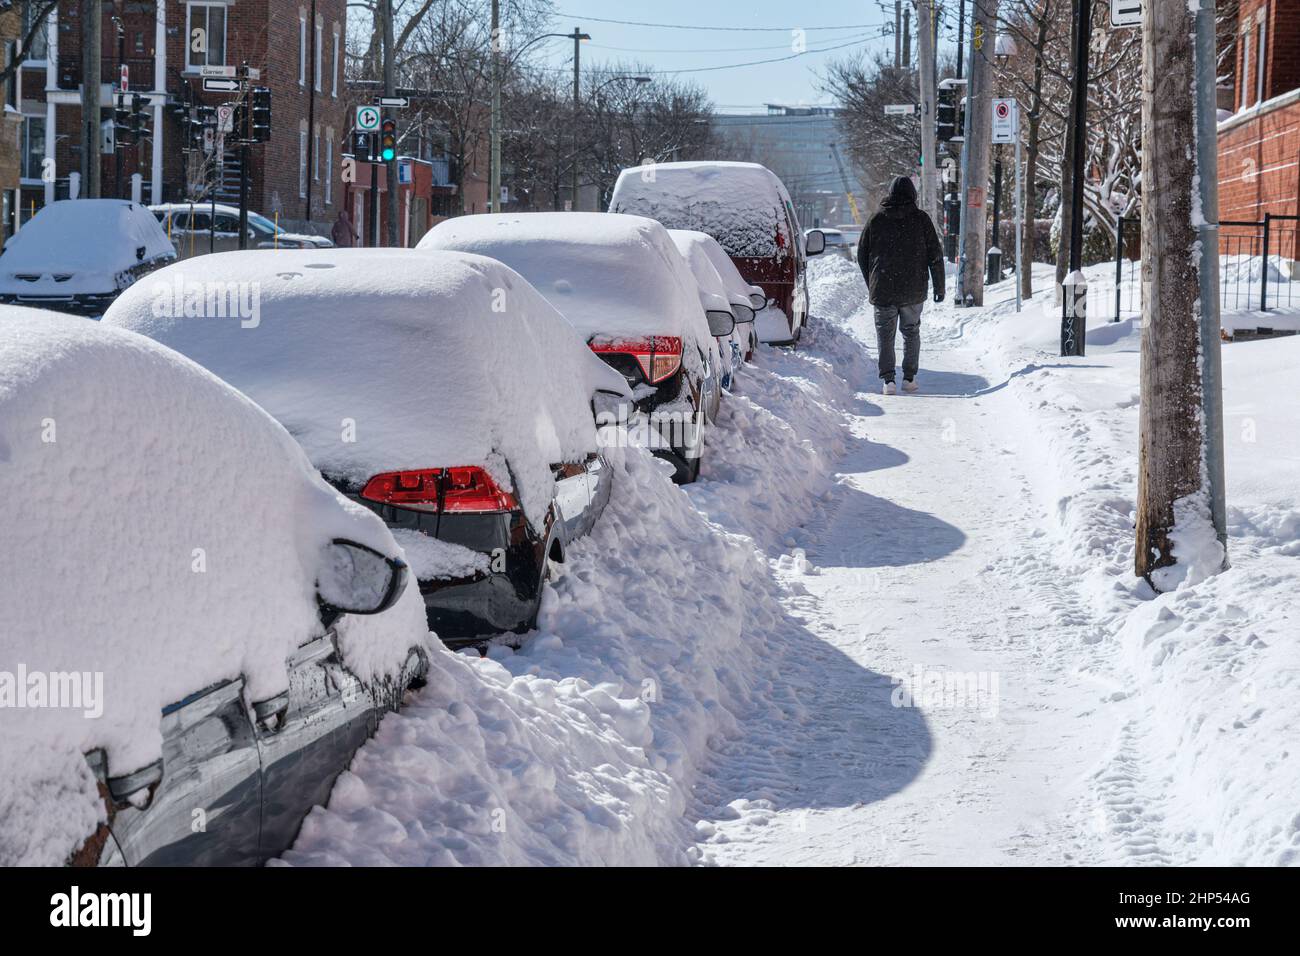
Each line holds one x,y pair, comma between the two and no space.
961,35
1073,318
118,147
1119,262
995,259
311,112
242,134
1263,284
374,196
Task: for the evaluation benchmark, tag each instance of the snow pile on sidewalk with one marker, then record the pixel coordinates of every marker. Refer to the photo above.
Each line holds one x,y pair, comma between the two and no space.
660,640
1212,669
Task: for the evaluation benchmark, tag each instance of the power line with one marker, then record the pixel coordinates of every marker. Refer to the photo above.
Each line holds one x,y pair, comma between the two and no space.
725,49
775,59
685,26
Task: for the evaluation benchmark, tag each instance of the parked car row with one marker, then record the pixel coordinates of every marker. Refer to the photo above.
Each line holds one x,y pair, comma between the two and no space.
78,255
445,406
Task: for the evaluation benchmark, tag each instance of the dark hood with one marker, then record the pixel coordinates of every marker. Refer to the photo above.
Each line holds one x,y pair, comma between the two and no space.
901,198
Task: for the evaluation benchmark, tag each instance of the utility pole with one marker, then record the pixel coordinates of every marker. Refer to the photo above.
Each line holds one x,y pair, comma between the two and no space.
578,37
1074,291
961,35
907,38
929,147
1180,461
91,77
898,33
388,91
311,113
494,161
975,156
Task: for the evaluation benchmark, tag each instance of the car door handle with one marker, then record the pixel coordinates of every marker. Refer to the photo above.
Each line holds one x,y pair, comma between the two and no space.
271,713
122,789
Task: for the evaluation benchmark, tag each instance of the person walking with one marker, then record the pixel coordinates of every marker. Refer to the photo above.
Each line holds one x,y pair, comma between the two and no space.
899,250
343,233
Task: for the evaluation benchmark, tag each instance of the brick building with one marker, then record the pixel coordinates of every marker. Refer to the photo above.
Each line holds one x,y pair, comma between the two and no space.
298,45
1259,144
11,129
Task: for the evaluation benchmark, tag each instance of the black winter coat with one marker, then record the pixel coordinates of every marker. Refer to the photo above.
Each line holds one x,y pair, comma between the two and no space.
898,248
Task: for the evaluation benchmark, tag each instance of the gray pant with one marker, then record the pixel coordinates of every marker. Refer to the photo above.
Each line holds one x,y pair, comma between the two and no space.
889,319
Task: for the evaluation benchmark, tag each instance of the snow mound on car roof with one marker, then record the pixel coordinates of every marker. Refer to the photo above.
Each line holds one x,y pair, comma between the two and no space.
386,359
742,205
85,235
609,275
713,292
161,532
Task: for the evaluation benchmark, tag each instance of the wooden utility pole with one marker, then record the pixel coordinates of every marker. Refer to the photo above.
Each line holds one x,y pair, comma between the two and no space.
929,148
91,77
975,154
1180,442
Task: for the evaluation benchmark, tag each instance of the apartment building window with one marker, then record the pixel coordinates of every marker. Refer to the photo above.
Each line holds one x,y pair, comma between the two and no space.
40,48
302,48
211,19
334,65
1260,61
320,53
14,81
33,158
302,161
329,167
315,154
1245,69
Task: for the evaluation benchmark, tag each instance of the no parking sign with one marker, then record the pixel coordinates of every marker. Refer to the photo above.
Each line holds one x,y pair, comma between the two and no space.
1006,120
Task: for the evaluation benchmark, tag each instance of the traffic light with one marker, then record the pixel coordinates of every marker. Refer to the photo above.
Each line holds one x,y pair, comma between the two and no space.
261,102
361,149
388,141
121,119
139,117
945,115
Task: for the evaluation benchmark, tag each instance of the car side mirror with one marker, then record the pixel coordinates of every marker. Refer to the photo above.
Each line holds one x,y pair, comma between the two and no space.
136,788
815,243
743,313
356,579
758,301
720,323
610,408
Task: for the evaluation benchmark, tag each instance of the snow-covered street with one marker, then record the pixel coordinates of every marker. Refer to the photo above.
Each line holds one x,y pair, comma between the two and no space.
942,658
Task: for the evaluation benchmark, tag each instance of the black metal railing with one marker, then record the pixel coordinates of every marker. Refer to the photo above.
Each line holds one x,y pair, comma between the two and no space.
1259,266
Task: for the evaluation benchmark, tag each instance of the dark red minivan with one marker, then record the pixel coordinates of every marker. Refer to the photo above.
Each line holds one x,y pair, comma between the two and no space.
746,208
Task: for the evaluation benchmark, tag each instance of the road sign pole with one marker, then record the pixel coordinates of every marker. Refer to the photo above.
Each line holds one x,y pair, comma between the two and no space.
1020,213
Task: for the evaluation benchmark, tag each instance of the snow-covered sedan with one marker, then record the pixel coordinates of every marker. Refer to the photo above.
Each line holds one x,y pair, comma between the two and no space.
439,390
715,296
622,284
184,673
77,255
196,229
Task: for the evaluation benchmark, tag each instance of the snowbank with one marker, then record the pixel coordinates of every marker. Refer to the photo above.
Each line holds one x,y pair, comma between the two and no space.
167,535
661,640
381,360
1211,669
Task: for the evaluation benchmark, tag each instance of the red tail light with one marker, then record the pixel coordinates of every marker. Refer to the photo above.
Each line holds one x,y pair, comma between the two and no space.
473,490
658,355
461,490
416,490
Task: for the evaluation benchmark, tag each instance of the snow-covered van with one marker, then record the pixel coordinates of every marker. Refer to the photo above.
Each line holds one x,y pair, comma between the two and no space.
78,255
746,208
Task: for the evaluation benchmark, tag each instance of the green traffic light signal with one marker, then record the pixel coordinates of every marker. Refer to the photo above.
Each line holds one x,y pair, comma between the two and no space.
388,141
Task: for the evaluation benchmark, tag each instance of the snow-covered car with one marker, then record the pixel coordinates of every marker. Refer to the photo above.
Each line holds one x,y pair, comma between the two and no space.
738,289
181,594
439,390
190,226
714,296
77,255
746,208
622,284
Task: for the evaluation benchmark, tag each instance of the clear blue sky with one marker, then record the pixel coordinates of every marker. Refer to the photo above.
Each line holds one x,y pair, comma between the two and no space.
682,43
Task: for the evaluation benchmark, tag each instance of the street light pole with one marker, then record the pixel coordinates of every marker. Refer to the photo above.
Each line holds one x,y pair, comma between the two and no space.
1075,292
494,173
578,37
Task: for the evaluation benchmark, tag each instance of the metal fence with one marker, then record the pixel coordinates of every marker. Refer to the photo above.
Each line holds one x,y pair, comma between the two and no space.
1259,268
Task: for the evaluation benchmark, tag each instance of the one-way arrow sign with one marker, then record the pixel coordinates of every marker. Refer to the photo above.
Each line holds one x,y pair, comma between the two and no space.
1126,13
213,84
